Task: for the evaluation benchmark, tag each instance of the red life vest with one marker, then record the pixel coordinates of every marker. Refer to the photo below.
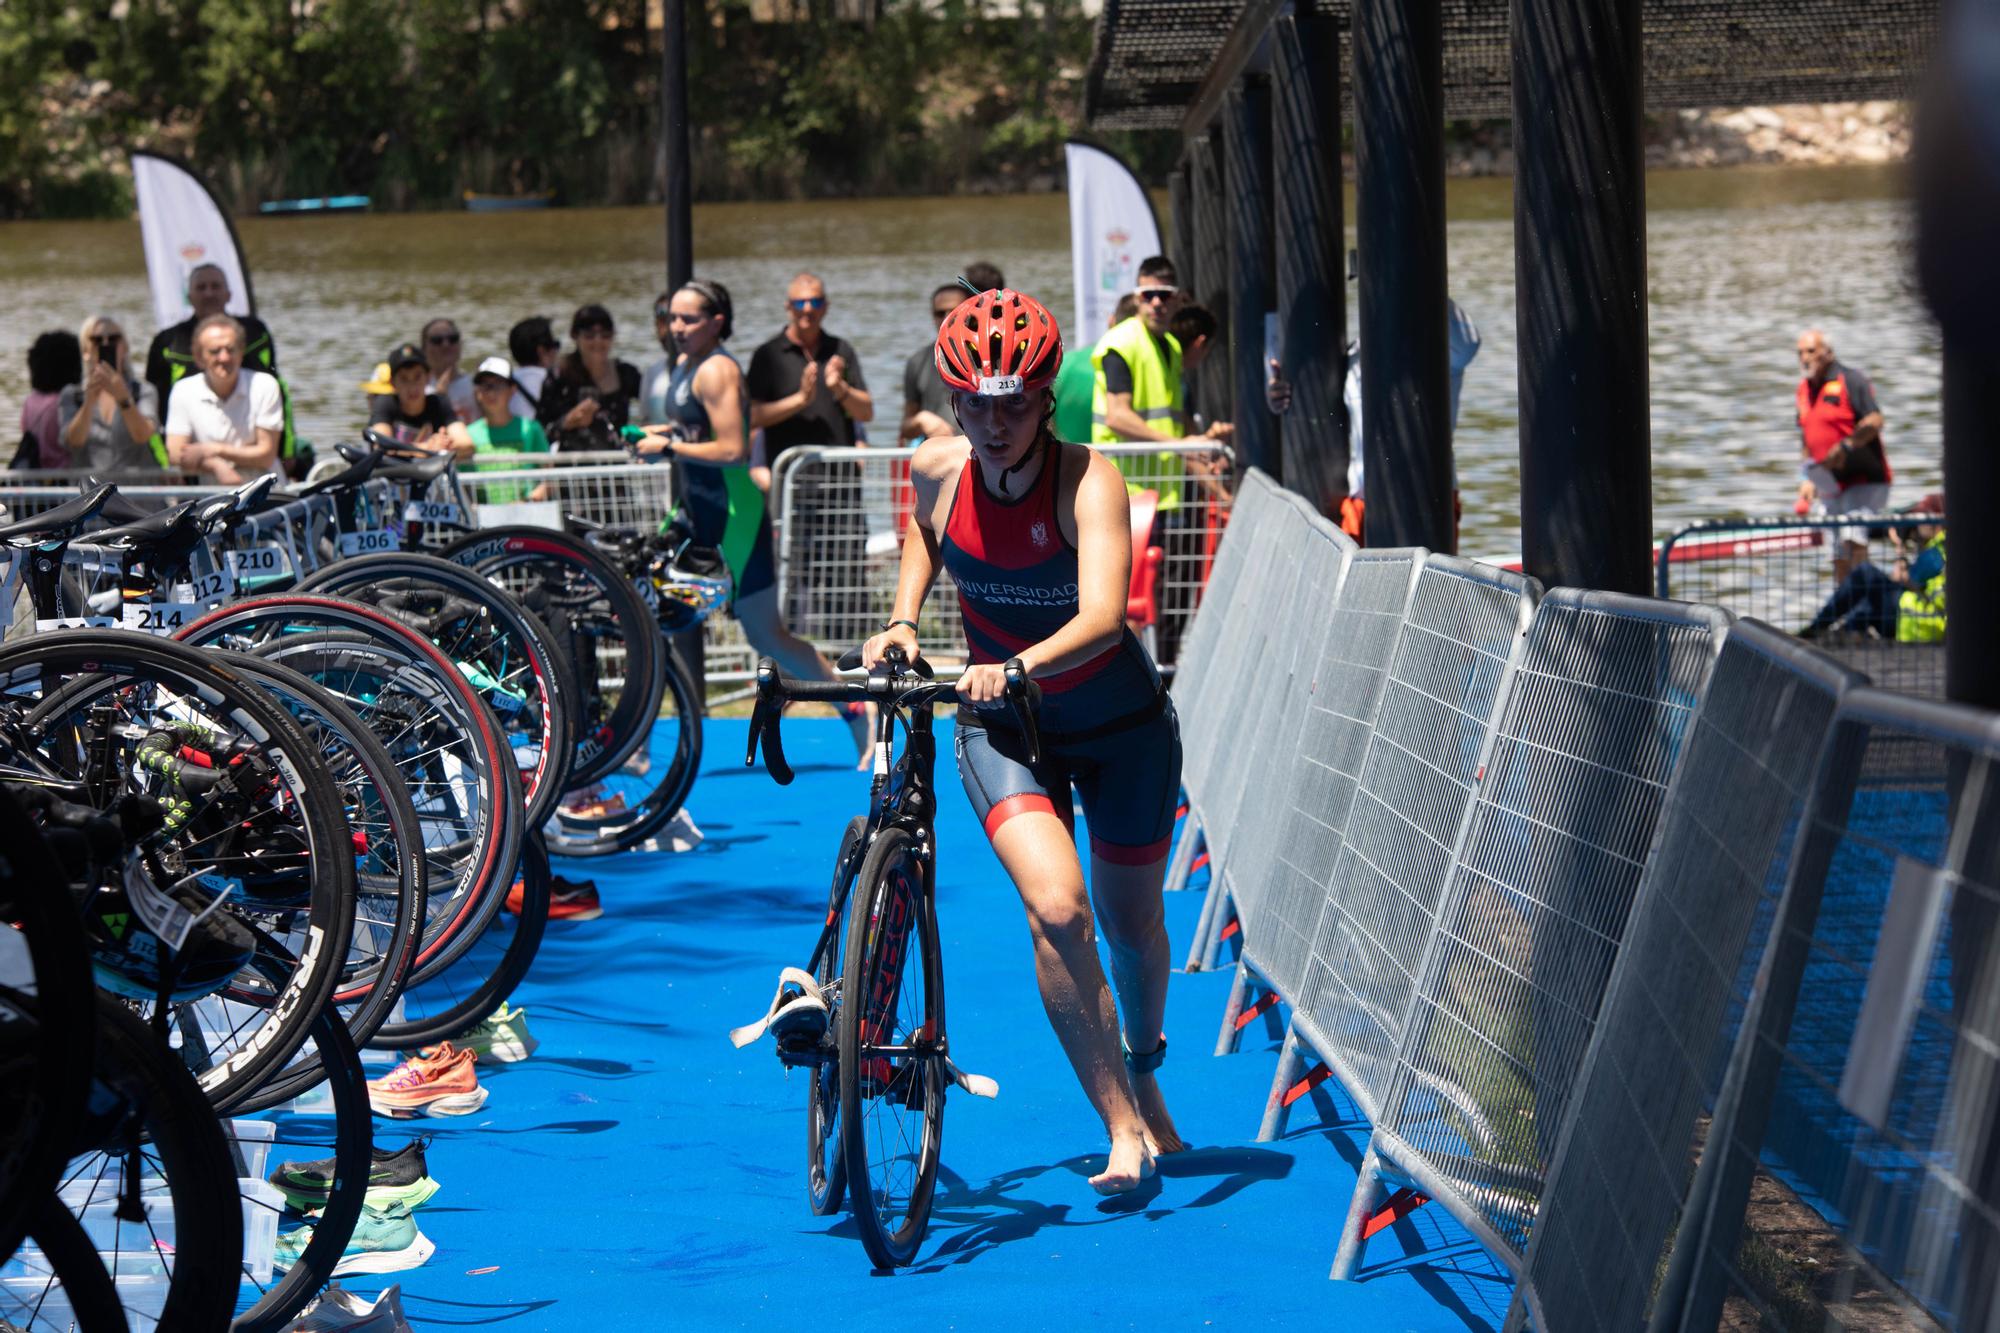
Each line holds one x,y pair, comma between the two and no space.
1827,421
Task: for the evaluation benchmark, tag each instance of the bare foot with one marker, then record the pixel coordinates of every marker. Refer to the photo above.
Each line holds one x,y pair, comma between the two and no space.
1160,1132
1130,1162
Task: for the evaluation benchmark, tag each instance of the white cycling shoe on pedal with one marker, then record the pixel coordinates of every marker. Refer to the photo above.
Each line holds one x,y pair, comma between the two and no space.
797,1016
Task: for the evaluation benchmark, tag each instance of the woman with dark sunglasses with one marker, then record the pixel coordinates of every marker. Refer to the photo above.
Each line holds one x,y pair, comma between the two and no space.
589,397
442,349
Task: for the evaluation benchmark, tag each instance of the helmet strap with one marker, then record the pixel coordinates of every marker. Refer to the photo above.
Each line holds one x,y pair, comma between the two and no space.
1045,439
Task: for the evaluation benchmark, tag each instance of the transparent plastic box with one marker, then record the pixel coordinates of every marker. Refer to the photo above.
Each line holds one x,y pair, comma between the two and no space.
252,1141
262,1205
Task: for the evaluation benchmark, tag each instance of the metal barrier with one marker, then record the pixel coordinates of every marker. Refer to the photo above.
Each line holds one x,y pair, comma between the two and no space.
1623,1166
1780,570
840,519
1865,1076
1564,805
1413,786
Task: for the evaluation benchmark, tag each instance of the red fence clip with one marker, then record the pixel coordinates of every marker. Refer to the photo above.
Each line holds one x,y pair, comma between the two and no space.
1317,1075
1199,862
1249,1015
1235,924
1401,1204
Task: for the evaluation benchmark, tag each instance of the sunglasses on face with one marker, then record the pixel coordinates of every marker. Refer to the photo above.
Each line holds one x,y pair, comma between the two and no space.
1158,293
943,314
808,303
663,312
442,340
594,331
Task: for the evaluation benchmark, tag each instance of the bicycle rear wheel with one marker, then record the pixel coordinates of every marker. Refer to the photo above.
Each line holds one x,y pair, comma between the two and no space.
640,797
891,1071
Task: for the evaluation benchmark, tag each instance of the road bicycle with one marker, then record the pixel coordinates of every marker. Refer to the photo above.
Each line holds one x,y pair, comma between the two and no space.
881,1060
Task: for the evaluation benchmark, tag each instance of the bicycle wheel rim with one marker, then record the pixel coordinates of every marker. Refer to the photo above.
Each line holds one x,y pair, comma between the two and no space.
651,798
587,586
891,1108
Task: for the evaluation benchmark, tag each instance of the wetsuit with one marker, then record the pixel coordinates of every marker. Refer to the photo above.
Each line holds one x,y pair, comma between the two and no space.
1107,726
721,502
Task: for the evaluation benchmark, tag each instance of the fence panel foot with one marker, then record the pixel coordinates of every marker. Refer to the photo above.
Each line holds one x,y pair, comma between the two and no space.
1367,1198
1277,1105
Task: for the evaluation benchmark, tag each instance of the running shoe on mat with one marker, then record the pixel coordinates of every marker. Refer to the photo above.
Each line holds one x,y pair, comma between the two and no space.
401,1177
440,1085
386,1240
341,1311
501,1038
569,900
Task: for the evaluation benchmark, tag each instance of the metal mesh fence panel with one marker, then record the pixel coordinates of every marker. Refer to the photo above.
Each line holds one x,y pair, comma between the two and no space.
1781,570
1241,573
1869,1087
842,513
1436,708
1563,815
1275,783
1624,1165
1333,741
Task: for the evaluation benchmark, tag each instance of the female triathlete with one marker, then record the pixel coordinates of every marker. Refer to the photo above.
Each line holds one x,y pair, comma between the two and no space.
1037,534
708,439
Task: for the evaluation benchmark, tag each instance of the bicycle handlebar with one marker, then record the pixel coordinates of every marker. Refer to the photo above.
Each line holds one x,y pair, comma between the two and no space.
1023,695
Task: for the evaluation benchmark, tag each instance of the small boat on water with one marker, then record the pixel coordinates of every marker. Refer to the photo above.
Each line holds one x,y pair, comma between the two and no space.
333,203
507,203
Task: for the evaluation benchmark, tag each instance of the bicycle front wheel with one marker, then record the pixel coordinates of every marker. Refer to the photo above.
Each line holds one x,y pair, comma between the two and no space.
892,1077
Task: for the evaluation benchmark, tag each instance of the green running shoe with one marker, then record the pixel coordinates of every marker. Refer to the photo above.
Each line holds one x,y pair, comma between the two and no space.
401,1177
385,1241
500,1038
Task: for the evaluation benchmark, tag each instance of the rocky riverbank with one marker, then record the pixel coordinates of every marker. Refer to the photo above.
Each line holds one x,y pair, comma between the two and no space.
1818,134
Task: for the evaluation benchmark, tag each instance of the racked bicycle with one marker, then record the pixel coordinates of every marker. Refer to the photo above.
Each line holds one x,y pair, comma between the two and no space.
866,1014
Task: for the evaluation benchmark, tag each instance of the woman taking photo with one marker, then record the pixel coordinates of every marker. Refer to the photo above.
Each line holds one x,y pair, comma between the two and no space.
1037,535
589,396
707,438
109,419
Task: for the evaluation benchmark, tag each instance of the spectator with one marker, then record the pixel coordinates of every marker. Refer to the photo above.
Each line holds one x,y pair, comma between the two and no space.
1842,462
54,363
1907,605
411,412
588,398
498,426
536,350
171,358
1074,381
656,383
442,348
806,388
984,277
1138,393
225,423
109,418
927,411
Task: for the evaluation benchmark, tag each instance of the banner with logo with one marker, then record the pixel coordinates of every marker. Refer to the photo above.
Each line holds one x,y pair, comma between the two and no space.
183,227
1111,228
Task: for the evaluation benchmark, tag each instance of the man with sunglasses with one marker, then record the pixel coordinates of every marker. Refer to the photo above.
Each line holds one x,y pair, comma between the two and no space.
926,400
442,348
806,389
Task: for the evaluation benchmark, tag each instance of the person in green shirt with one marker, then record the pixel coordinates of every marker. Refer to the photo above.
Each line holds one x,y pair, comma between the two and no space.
499,438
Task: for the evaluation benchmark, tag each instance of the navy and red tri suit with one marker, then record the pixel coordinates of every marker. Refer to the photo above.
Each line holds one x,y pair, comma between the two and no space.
1107,727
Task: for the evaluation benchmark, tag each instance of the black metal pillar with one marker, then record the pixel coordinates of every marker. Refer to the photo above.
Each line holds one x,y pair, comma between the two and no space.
1246,132
1958,199
1399,206
1208,283
1180,220
674,142
1580,293
1311,258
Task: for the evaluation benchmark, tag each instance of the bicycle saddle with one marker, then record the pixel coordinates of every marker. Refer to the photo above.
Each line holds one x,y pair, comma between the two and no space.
63,522
422,470
363,468
174,529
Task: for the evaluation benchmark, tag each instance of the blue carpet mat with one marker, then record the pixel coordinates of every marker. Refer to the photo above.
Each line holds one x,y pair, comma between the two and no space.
640,1173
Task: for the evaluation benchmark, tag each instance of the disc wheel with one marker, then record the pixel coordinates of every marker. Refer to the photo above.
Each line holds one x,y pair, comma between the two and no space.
891,1071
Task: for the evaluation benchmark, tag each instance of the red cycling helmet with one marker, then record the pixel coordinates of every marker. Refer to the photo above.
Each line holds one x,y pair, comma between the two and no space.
999,342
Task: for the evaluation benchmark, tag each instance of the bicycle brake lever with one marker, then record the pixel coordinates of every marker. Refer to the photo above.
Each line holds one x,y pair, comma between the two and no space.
1024,697
764,725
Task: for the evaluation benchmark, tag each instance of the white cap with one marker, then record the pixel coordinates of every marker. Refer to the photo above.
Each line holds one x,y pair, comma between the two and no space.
495,365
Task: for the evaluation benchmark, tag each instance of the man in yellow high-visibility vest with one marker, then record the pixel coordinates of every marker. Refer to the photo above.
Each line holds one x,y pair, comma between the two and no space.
1137,392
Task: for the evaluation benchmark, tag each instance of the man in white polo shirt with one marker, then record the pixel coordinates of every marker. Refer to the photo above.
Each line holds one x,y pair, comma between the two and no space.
225,422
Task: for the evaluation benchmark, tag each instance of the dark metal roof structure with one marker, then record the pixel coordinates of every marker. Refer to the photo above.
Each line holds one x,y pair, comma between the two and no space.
1152,59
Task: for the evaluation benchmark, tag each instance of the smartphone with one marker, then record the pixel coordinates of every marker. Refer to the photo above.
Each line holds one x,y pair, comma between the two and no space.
107,350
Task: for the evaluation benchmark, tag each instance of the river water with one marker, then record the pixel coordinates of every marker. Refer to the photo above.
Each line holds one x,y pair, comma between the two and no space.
1738,260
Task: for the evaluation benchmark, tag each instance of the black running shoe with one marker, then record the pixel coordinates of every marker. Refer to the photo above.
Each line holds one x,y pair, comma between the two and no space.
128,957
393,1176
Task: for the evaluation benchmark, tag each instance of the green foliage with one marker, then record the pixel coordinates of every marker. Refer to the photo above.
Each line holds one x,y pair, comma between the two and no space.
414,101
